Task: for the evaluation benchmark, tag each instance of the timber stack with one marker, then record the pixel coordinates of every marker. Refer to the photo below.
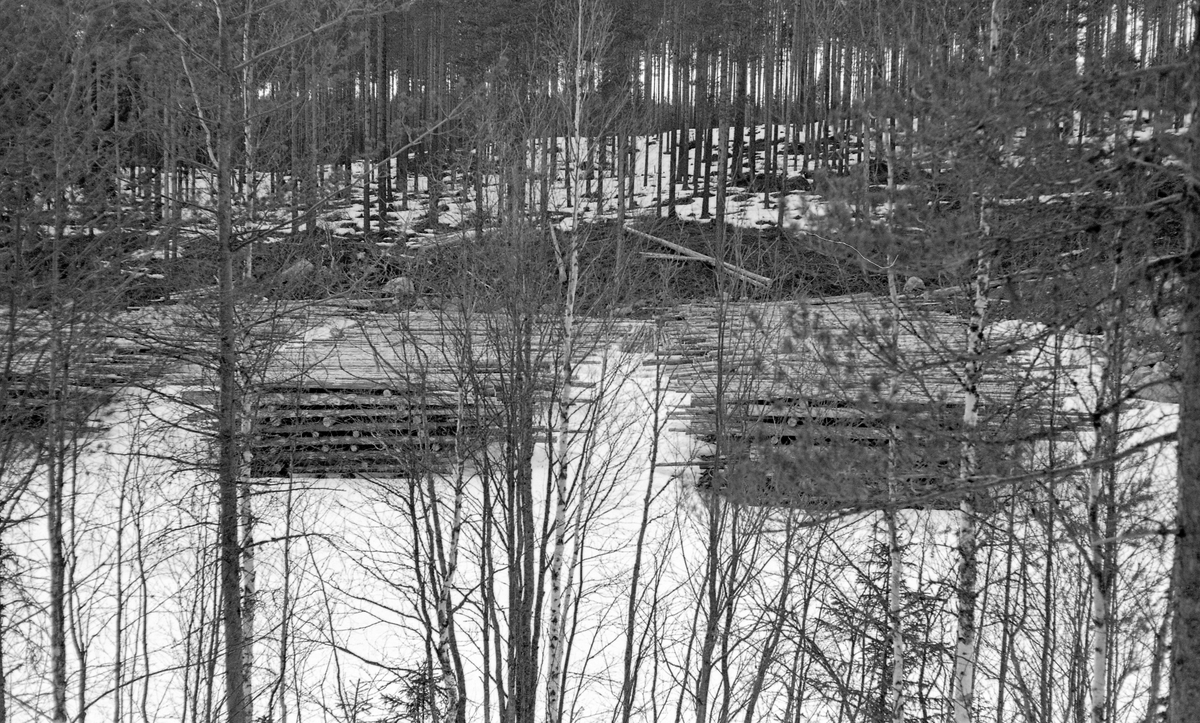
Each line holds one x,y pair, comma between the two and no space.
402,395
850,402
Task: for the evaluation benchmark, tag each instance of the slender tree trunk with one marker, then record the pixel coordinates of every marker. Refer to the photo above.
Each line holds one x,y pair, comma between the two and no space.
569,271
249,587
444,559
478,178
57,421
1006,611
285,618
702,115
781,615
896,697
144,597
3,650
722,171
486,623
1045,681
710,587
739,100
248,171
1185,631
1157,655
228,403
382,90
365,150
213,654
119,613
629,670
1101,513
966,593
965,650
295,113
448,634
54,520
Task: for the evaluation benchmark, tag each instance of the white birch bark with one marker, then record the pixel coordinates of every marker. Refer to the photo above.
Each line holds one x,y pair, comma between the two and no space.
963,681
1100,630
445,605
558,527
568,270
964,654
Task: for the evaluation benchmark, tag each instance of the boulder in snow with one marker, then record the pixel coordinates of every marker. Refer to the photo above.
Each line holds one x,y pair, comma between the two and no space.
299,269
400,286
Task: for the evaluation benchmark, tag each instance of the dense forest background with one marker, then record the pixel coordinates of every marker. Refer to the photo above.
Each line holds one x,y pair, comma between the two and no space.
481,195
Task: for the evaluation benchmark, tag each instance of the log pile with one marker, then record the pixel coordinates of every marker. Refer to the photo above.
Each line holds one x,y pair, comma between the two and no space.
808,404
816,404
91,364
401,395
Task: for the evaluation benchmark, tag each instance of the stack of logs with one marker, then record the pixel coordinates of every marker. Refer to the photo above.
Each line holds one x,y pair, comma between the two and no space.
81,376
402,395
845,402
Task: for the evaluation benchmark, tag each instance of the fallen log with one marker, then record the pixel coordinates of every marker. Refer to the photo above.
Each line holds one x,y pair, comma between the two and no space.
743,274
667,257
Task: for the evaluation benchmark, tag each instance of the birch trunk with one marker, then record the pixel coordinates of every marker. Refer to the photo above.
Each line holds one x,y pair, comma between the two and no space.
447,560
963,681
569,270
964,654
1158,653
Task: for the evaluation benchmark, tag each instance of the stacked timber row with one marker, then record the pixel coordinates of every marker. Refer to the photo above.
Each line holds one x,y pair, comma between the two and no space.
404,394
848,402
74,365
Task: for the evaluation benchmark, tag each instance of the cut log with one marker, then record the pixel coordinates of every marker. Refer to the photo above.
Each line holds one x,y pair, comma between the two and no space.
668,257
747,276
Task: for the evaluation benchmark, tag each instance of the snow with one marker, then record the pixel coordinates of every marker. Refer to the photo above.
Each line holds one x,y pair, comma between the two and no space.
353,583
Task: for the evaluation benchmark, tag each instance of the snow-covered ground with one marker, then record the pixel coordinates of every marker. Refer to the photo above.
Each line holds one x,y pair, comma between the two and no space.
347,564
